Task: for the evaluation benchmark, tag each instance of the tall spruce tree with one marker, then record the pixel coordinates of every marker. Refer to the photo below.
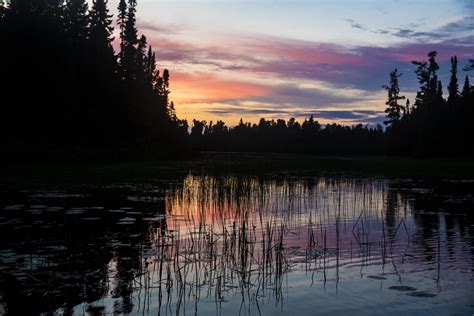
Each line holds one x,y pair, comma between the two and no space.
433,85
101,29
466,89
121,22
439,92
166,86
423,77
150,66
76,20
142,57
453,88
130,40
407,108
394,109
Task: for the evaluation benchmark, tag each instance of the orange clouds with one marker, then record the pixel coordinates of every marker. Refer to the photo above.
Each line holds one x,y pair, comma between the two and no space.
207,88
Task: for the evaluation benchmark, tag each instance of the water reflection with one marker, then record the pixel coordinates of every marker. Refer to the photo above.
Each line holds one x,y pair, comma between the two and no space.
209,244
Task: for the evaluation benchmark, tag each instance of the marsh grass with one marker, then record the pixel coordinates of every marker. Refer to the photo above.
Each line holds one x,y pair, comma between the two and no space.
223,237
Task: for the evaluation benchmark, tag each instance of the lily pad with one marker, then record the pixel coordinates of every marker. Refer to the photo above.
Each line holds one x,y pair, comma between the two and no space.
402,288
421,294
376,277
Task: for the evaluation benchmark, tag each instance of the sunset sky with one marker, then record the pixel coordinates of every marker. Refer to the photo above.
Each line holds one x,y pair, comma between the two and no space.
279,59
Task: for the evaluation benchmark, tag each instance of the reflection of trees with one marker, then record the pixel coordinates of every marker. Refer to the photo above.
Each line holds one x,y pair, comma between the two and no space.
391,202
73,257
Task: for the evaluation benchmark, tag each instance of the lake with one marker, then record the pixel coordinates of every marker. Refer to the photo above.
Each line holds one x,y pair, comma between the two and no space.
186,239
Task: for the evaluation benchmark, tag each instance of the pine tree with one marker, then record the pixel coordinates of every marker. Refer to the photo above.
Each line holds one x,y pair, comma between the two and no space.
130,41
76,20
453,88
466,90
166,86
423,77
141,57
121,22
150,66
393,91
433,67
172,112
407,108
101,26
439,92
426,73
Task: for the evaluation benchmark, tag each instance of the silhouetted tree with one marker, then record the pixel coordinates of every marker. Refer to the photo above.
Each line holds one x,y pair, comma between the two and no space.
423,77
453,88
466,89
198,128
407,108
76,20
101,28
79,101
433,67
121,22
130,40
166,86
394,109
439,92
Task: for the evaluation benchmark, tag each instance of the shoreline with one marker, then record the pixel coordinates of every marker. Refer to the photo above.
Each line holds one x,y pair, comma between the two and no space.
248,164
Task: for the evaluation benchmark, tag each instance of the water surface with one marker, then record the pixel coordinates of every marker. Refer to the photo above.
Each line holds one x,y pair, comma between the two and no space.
238,244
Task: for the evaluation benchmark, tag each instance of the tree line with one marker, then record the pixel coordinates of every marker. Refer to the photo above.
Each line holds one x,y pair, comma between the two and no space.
433,125
69,91
66,89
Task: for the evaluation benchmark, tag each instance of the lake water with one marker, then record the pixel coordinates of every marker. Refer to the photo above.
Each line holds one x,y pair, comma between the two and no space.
210,243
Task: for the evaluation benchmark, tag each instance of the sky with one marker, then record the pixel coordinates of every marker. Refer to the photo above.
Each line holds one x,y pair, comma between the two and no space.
232,59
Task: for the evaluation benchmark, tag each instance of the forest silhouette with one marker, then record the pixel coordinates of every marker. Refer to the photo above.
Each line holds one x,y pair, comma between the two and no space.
67,92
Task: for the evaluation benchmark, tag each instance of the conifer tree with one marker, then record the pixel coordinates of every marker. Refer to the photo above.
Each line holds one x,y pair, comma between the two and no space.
466,90
393,91
433,67
150,66
439,91
121,22
423,77
101,26
166,86
453,88
130,41
407,108
76,20
141,61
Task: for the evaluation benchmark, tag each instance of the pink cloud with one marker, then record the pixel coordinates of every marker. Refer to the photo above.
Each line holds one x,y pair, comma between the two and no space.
208,88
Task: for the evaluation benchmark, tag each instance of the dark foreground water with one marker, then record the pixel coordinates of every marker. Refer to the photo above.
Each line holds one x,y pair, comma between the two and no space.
213,244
